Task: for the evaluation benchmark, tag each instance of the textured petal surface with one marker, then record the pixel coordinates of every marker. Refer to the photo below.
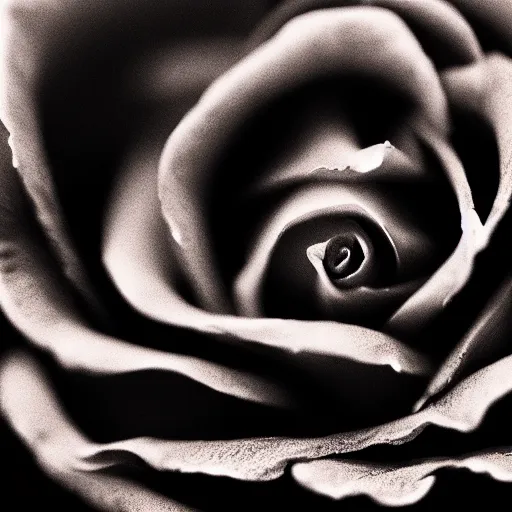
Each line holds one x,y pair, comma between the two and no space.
394,485
247,459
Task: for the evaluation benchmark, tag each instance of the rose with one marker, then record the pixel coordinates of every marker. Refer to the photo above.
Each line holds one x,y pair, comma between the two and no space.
44,283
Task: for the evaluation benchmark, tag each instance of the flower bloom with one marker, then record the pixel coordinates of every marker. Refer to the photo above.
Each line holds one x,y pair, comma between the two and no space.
244,246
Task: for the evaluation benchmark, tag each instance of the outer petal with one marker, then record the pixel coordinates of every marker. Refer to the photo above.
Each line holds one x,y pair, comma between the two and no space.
39,302
20,68
453,274
33,36
434,19
398,485
247,459
37,419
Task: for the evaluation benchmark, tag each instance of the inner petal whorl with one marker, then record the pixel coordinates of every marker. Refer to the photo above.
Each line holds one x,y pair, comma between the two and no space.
343,256
350,257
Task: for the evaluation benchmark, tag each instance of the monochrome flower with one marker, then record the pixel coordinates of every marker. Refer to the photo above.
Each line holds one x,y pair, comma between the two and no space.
255,243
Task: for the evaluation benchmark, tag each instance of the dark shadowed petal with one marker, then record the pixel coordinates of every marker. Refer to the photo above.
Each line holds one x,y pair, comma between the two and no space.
36,417
26,29
489,334
453,274
38,300
409,245
489,93
359,40
41,43
462,409
25,394
141,268
394,485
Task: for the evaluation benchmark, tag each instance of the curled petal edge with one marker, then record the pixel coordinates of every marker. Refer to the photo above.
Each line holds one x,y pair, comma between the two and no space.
30,406
394,485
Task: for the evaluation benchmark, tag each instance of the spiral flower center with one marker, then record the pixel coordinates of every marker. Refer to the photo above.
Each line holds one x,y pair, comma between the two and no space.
343,256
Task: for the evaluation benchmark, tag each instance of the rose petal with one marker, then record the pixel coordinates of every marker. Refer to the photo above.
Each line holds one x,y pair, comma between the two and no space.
324,147
378,163
398,485
434,20
494,16
347,303
453,274
497,108
33,35
35,415
141,271
30,406
38,301
410,245
309,46
485,88
20,66
461,409
487,335
491,98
